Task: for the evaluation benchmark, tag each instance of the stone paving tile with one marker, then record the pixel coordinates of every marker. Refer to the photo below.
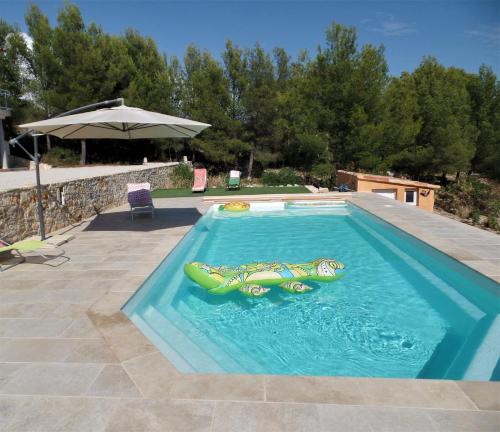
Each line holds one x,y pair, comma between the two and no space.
109,304
488,267
465,421
485,251
395,419
132,259
9,407
59,274
12,284
414,393
68,310
82,328
53,379
162,416
27,327
76,295
51,414
458,254
130,285
36,350
250,417
218,387
485,395
91,351
153,374
314,389
8,370
25,310
343,418
124,339
17,296
114,381
119,265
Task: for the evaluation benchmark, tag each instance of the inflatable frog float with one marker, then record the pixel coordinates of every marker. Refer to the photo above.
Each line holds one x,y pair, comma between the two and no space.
254,280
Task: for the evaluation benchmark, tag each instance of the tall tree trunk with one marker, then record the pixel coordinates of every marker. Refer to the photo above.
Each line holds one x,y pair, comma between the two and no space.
250,165
83,154
49,145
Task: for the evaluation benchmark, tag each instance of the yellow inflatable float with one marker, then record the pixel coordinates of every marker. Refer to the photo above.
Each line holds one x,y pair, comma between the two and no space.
237,206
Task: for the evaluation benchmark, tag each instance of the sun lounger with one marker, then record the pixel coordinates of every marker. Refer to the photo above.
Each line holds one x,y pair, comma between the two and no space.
200,180
234,179
139,198
40,247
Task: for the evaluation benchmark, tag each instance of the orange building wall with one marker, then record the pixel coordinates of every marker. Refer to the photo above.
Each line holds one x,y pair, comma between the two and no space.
425,195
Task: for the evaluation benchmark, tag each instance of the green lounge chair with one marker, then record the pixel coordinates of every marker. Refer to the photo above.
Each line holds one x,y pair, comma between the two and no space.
234,179
24,246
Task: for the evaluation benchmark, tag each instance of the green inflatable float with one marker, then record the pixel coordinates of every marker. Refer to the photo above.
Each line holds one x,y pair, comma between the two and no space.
252,279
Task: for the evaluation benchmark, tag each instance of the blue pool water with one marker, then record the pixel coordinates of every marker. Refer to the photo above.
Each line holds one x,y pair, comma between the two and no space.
403,309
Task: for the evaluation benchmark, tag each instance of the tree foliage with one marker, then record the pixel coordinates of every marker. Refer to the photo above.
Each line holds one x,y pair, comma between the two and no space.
334,108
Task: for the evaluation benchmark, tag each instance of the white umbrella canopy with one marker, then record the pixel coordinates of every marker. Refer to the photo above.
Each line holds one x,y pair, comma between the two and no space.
121,122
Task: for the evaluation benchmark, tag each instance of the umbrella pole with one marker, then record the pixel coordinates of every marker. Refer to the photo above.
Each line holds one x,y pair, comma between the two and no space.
38,187
36,157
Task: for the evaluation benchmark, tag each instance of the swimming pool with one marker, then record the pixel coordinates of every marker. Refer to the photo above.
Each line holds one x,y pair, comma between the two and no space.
403,309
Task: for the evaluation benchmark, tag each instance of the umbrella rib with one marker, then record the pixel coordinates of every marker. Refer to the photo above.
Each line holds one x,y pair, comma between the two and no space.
185,128
73,124
57,128
110,126
138,126
145,126
72,132
166,125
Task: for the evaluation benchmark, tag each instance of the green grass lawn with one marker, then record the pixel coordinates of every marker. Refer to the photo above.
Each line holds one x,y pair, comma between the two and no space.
175,193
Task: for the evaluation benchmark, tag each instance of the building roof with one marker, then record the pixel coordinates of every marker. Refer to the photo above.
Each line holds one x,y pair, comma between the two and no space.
389,179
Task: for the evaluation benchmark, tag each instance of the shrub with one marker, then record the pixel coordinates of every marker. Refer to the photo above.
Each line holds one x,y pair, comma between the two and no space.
288,176
61,156
182,176
475,215
325,173
471,198
493,215
270,178
284,176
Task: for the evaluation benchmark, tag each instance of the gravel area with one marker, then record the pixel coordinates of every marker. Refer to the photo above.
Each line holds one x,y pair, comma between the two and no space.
25,178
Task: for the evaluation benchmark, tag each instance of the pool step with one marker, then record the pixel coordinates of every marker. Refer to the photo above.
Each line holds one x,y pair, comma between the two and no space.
480,352
232,351
172,339
179,362
454,298
443,355
223,360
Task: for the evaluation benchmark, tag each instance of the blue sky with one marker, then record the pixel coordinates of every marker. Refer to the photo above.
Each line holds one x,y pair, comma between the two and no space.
460,33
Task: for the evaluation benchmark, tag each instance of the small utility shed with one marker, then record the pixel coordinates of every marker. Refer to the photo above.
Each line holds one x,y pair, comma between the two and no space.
411,192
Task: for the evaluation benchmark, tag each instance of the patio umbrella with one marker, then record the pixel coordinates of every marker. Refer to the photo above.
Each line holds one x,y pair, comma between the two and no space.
121,122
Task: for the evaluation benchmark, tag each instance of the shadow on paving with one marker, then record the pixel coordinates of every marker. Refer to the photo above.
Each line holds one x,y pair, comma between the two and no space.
163,218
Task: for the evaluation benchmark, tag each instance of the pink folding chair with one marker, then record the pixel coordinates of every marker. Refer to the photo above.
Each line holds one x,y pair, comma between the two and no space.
200,180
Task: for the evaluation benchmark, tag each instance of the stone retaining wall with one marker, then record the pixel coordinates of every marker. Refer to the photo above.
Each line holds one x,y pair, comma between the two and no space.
82,198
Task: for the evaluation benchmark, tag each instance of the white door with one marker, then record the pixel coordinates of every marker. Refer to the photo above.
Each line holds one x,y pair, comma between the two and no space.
388,193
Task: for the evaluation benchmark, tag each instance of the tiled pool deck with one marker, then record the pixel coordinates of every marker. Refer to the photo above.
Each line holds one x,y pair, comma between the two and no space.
70,360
